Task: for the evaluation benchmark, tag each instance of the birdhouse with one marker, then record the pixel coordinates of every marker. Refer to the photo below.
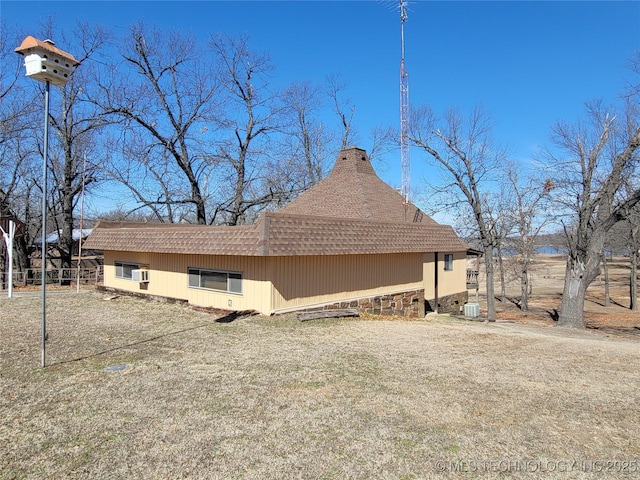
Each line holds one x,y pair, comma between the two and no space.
45,62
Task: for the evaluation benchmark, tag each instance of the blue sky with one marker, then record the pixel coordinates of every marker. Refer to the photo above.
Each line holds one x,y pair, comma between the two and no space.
528,63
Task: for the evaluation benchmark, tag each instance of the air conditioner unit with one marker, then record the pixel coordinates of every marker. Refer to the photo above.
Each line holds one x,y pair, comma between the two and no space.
471,310
141,276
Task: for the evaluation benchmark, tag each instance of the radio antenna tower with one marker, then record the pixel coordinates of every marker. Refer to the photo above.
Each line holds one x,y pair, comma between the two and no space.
405,160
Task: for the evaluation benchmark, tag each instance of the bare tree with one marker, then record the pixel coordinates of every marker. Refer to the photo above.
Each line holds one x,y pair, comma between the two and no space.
463,150
593,160
164,94
624,238
634,249
18,107
310,140
343,109
499,212
383,140
252,114
529,209
308,135
76,126
17,103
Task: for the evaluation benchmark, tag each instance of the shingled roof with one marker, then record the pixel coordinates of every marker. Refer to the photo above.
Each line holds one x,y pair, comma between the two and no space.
350,212
173,238
353,190
286,234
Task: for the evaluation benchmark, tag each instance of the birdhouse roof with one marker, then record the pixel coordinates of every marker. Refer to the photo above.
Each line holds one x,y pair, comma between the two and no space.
31,43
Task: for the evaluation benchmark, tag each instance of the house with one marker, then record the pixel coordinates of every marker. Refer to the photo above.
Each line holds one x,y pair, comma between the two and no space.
350,241
53,239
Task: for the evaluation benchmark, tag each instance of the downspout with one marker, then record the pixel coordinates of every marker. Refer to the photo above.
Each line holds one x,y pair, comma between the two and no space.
435,283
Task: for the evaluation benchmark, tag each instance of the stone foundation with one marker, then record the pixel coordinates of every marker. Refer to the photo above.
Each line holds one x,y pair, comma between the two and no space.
146,296
405,304
448,304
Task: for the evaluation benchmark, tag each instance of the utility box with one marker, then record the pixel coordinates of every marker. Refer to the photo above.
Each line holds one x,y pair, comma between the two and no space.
45,62
472,310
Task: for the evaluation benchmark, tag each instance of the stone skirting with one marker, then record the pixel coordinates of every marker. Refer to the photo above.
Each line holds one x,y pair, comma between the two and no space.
405,304
146,296
448,304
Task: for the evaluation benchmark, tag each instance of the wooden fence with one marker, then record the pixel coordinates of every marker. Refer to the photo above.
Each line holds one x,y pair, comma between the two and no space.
472,279
54,276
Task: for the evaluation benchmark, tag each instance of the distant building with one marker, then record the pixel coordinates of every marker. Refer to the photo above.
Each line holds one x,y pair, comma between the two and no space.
54,237
53,250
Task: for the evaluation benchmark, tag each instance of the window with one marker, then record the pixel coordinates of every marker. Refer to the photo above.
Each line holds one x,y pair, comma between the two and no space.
448,261
215,280
123,270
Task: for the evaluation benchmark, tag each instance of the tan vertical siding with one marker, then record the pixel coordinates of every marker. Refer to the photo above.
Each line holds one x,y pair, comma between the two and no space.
272,284
453,281
428,274
449,281
169,278
314,280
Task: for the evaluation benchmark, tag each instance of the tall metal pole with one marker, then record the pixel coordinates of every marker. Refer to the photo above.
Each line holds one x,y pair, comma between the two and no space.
46,63
404,112
44,226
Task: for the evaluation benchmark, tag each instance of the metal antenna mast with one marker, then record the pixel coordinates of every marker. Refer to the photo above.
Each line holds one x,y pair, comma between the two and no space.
404,111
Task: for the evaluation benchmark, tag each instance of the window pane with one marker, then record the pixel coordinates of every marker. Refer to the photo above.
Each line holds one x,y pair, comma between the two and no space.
127,268
448,261
213,280
194,277
235,282
123,270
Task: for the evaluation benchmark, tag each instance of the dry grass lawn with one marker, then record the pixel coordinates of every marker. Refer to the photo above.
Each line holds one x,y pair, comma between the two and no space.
264,398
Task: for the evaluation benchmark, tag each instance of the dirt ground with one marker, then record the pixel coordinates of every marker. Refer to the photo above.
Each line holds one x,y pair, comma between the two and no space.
546,298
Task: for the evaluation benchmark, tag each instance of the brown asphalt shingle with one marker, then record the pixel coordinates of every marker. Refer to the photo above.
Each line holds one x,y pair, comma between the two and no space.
173,238
353,190
313,235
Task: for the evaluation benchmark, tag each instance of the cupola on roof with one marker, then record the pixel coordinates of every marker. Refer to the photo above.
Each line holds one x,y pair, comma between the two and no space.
353,190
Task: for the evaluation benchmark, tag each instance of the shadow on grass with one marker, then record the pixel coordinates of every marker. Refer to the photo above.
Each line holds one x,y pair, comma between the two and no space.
230,317
611,301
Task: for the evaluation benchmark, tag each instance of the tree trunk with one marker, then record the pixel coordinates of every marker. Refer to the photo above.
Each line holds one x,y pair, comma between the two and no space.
491,297
65,239
633,282
503,288
23,260
201,213
578,276
607,296
524,285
